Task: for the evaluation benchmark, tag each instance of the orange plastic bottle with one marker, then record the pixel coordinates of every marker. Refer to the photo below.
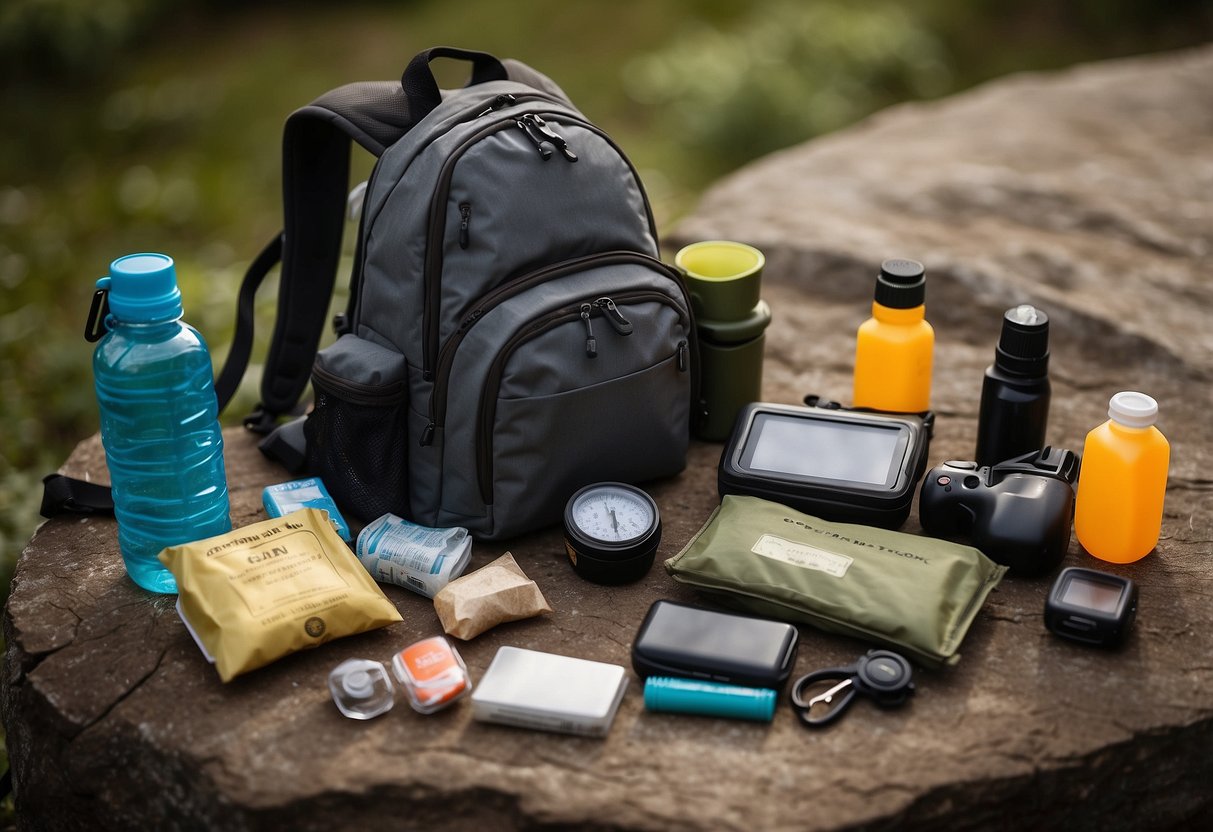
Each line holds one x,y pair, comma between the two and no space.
1118,513
895,346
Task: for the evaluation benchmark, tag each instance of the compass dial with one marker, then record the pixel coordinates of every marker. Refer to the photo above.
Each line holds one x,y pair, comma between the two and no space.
613,513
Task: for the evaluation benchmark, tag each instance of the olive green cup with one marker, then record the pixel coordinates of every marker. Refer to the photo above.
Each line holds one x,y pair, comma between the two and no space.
725,280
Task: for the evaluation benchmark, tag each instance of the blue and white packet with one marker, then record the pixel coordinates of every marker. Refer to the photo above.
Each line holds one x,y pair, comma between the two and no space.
309,493
415,557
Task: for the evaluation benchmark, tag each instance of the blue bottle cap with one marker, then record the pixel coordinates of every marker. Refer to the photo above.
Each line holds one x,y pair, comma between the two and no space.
143,288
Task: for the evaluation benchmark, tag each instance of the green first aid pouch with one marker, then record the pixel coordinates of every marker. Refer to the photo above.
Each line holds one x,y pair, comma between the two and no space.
903,591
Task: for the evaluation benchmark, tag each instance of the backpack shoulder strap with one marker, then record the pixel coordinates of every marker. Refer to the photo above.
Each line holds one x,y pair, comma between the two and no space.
315,178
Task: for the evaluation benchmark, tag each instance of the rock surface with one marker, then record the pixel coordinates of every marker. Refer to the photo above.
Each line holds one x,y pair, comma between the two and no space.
1086,192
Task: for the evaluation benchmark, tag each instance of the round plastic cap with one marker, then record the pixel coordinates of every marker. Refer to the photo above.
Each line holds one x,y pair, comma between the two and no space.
1023,345
901,284
1134,410
358,683
143,288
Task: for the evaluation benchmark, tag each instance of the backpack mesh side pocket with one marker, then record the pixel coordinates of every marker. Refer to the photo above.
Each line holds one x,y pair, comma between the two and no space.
356,433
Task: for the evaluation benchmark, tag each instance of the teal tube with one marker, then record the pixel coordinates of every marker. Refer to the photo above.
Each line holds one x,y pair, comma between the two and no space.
692,696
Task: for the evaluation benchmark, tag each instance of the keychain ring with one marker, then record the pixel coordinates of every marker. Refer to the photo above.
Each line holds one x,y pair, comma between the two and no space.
844,692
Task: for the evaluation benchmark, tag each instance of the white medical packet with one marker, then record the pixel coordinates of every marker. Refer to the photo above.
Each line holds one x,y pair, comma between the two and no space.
415,557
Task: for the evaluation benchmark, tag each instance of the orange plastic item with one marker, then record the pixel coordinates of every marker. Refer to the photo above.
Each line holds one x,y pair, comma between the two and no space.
894,349
433,674
893,360
1118,513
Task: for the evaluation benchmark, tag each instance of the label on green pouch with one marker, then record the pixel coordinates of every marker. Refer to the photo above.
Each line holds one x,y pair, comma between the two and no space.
802,555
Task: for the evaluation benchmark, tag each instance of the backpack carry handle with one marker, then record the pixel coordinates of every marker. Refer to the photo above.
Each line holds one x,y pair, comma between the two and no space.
421,88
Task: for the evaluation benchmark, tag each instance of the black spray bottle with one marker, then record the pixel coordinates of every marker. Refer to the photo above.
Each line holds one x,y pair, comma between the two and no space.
1015,394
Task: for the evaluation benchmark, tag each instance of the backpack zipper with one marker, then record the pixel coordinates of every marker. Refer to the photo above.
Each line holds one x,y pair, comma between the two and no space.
432,272
544,138
365,395
365,222
353,306
465,217
591,345
614,317
487,410
505,99
505,291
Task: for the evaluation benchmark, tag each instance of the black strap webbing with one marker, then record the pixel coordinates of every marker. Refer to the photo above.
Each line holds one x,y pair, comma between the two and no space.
421,88
242,339
64,495
315,178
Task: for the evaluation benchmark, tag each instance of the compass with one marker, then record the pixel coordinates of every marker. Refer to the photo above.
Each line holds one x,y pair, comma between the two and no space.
611,532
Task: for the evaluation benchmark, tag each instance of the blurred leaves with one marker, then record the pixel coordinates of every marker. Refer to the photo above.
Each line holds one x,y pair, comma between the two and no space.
52,36
788,72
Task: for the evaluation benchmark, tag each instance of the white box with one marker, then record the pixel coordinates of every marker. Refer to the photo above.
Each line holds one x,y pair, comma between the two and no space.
530,689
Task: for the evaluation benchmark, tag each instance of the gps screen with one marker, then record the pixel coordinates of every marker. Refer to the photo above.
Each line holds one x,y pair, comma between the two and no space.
824,449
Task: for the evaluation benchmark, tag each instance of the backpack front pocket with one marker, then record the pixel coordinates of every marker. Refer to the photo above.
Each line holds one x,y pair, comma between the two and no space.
540,449
577,372
595,390
356,433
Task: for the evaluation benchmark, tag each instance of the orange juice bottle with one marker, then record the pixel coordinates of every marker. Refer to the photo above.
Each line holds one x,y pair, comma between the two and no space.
895,346
1118,513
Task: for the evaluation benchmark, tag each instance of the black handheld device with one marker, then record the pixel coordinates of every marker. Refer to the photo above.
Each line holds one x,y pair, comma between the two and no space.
1091,607
680,640
1018,512
849,466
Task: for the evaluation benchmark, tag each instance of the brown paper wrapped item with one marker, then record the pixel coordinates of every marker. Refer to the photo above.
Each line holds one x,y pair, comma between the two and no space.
491,595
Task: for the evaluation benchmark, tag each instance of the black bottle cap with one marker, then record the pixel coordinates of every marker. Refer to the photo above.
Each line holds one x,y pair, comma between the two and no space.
901,284
1023,348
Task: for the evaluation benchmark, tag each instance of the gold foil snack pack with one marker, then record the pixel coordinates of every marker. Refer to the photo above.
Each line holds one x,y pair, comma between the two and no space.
268,589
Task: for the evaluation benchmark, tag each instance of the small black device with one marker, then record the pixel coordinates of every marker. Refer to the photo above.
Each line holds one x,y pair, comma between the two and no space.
680,640
1091,606
611,532
845,465
1018,512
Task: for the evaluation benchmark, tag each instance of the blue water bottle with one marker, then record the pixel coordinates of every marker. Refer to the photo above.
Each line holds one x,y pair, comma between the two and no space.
159,418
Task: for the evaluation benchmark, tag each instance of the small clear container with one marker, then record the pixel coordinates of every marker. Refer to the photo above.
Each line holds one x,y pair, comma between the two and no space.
362,689
432,673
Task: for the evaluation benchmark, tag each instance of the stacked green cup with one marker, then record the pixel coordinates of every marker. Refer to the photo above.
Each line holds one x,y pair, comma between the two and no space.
724,280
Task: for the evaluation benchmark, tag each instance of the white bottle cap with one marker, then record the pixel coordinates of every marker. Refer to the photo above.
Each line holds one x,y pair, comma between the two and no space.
358,683
1133,410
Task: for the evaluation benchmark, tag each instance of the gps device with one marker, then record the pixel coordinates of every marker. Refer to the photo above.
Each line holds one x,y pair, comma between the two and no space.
843,465
1090,606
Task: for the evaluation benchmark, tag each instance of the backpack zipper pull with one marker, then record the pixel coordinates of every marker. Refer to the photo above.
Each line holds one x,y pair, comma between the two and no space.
682,356
542,145
614,317
503,100
591,345
427,435
554,137
465,214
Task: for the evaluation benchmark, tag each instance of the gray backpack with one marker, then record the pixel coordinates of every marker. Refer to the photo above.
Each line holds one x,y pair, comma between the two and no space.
511,335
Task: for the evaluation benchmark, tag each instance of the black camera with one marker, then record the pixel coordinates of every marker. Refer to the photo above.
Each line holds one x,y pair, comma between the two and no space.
1018,512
